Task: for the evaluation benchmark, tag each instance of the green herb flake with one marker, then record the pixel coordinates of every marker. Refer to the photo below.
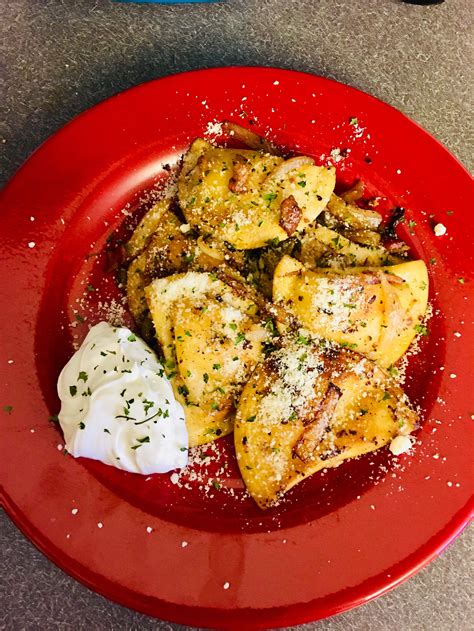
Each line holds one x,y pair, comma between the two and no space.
216,366
411,223
301,339
240,338
216,484
73,390
205,377
132,338
392,371
461,281
8,409
79,318
183,390
421,329
250,419
353,121
269,197
82,376
302,183
233,326
82,425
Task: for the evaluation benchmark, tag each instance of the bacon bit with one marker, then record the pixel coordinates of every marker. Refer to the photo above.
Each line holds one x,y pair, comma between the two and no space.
316,424
290,215
238,181
354,193
399,247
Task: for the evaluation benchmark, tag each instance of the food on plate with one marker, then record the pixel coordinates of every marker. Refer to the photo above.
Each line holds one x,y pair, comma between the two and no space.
212,335
147,227
249,198
279,306
118,406
310,405
376,311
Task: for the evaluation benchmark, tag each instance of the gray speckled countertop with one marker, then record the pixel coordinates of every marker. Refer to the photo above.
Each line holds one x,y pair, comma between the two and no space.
62,56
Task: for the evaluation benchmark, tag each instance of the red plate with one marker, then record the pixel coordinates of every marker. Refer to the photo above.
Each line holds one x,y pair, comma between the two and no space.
213,558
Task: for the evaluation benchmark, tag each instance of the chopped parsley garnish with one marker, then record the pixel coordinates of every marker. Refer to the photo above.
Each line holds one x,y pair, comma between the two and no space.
82,376
251,419
353,121
82,425
392,371
461,280
216,484
72,390
240,338
183,390
132,338
205,377
233,326
362,412
54,418
79,318
421,329
269,197
8,409
216,366
90,288
337,243
214,406
141,441
147,405
301,339
302,183
411,223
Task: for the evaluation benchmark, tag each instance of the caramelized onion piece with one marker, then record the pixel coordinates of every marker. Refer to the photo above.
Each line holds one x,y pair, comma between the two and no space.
285,167
317,424
250,138
211,252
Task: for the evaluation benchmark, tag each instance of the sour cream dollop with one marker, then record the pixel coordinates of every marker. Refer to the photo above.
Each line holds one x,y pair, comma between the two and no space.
117,405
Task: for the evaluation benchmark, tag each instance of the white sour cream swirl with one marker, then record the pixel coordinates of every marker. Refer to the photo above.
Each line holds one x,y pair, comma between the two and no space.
117,405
